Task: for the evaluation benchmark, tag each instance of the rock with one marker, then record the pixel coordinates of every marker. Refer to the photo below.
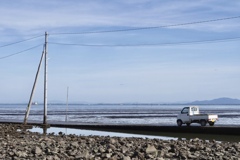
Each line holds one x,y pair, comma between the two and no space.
112,140
27,145
190,156
75,144
169,155
139,155
84,154
102,150
112,147
218,154
37,150
124,149
22,154
126,158
151,150
106,155
183,154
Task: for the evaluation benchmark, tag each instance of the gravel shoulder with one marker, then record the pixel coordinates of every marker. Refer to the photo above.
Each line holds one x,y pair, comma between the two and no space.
16,143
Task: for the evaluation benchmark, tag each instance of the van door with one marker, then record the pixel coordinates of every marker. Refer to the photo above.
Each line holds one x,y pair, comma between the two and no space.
185,115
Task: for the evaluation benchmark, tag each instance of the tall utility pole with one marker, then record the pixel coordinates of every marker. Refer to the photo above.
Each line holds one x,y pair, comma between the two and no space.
45,81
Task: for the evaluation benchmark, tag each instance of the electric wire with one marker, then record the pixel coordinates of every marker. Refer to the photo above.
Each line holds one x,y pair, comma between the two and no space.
10,55
150,44
147,28
129,45
21,41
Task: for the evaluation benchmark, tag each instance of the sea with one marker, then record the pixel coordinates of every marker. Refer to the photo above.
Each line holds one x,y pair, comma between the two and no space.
147,114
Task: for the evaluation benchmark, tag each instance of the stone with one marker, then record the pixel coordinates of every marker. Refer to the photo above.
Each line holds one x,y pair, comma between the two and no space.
126,158
29,145
84,154
37,150
106,155
112,140
22,154
124,149
74,144
151,149
112,146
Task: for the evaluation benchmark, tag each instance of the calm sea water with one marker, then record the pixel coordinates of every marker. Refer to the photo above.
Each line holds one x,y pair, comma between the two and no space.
118,114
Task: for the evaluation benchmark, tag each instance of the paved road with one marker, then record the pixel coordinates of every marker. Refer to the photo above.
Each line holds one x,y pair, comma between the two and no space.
217,129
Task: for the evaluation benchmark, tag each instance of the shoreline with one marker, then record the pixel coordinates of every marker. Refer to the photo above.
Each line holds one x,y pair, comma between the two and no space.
18,143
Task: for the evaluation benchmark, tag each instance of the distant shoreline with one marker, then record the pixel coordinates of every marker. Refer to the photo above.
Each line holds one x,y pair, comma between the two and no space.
218,101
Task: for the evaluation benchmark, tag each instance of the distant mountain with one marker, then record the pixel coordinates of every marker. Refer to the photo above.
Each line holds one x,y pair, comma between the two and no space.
218,101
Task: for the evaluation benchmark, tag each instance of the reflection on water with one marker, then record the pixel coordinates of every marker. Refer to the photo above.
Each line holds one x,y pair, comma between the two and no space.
138,134
83,132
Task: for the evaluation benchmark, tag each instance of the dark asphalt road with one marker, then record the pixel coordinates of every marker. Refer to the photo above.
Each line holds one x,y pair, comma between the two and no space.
217,129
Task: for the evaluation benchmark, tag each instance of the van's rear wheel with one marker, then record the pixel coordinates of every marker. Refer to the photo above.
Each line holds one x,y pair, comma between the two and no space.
211,123
203,122
179,123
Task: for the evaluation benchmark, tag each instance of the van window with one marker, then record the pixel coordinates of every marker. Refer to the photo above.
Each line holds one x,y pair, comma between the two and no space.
185,110
194,109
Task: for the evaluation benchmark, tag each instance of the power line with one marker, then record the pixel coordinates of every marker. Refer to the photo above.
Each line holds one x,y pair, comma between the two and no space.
150,44
156,27
20,41
10,55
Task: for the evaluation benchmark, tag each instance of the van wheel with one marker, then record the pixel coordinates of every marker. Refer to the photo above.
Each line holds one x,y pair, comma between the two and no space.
179,123
203,122
211,123
188,124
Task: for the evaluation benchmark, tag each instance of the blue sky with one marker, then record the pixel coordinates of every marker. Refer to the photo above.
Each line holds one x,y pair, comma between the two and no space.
149,74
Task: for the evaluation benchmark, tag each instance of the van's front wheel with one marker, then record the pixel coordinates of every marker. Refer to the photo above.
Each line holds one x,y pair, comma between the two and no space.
179,122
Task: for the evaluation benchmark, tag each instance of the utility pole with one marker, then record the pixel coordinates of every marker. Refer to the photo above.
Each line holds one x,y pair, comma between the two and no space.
66,118
33,89
45,80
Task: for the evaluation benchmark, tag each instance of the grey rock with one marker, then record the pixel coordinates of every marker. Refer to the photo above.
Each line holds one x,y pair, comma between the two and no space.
37,150
74,144
126,158
151,149
84,154
124,149
15,144
112,146
112,140
21,154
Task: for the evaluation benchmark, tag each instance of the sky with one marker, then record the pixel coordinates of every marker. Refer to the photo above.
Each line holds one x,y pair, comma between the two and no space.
120,51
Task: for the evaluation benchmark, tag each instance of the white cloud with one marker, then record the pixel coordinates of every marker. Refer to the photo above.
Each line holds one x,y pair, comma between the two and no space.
54,14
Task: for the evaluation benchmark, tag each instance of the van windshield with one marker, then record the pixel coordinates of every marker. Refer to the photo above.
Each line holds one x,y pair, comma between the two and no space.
185,110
